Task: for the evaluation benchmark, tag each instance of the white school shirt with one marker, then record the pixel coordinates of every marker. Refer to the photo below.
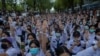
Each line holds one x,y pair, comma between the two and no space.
89,52
53,43
19,30
1,50
89,42
92,37
12,52
76,49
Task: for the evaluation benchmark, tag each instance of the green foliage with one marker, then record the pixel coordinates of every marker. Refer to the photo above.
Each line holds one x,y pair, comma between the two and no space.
40,5
0,4
19,8
61,4
30,3
8,7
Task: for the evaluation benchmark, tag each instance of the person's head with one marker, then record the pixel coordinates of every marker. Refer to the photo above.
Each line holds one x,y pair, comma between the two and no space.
31,37
92,29
6,44
29,27
29,30
5,34
98,33
86,29
77,28
62,51
58,32
76,35
34,47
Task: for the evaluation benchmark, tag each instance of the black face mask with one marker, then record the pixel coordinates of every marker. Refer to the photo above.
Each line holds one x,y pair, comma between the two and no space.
4,46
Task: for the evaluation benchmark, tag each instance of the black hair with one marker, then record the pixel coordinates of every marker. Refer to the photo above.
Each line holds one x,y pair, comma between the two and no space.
7,33
61,49
32,34
76,34
29,26
30,30
97,30
36,42
6,40
76,27
91,26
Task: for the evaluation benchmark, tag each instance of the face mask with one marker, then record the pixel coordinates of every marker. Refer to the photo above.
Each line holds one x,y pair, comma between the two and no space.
98,37
34,51
92,30
28,41
86,27
78,30
58,35
77,39
4,46
33,26
80,23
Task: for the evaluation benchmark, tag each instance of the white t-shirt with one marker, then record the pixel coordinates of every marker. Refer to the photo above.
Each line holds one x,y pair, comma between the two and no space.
12,52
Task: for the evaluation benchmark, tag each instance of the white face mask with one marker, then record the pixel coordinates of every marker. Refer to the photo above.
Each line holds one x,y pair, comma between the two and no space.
77,39
28,41
58,34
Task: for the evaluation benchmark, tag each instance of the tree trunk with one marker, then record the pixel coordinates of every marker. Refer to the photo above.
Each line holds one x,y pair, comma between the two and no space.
3,6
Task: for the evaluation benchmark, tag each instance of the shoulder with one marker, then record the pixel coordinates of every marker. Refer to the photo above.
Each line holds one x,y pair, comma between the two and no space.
70,41
41,53
28,54
12,51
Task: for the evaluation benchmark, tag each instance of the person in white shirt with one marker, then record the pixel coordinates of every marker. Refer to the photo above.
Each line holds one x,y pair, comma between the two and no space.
62,51
35,49
94,50
30,37
75,45
8,49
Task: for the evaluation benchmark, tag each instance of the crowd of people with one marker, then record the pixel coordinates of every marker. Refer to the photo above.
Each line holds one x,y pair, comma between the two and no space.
57,34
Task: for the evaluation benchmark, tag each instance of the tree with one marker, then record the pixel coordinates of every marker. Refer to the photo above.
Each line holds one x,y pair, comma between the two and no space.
61,4
0,5
40,5
31,4
19,8
45,4
3,6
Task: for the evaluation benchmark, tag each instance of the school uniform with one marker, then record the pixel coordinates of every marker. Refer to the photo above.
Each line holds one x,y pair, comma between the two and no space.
76,49
89,52
40,53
